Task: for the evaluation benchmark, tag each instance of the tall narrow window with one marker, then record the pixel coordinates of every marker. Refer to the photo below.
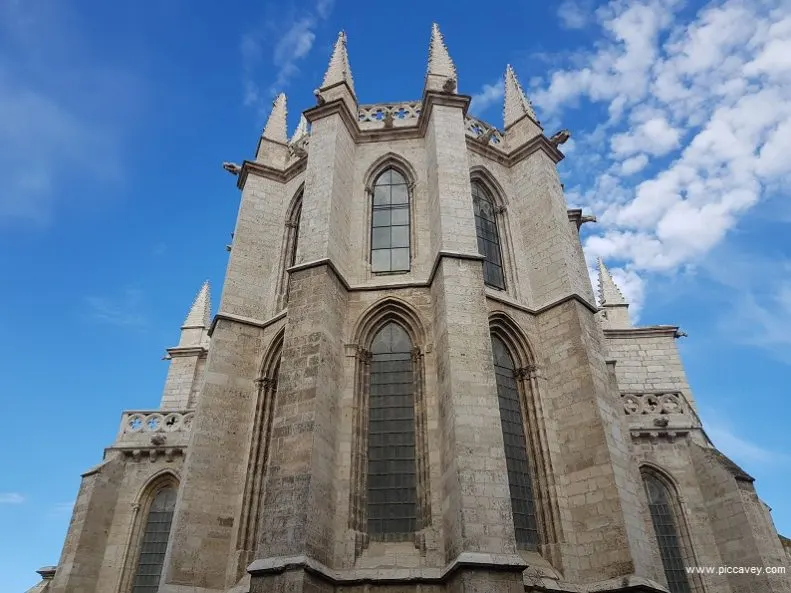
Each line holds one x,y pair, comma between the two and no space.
390,223
155,541
660,504
516,457
488,237
293,243
392,467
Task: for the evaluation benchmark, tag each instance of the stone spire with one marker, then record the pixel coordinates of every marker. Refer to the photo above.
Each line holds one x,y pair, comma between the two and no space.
517,105
612,301
201,309
339,69
276,127
609,293
301,131
441,72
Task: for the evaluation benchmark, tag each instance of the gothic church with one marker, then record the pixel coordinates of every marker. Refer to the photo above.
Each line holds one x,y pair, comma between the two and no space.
409,387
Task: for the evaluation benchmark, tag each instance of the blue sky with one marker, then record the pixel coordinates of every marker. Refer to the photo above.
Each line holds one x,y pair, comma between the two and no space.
115,118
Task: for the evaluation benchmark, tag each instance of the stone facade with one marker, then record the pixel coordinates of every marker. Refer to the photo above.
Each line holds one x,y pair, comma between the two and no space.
265,416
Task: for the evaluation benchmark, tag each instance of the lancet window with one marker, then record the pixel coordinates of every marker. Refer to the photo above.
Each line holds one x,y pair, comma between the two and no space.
517,460
488,237
662,506
390,229
154,541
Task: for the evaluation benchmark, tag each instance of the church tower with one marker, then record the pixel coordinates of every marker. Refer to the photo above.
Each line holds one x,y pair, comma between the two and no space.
409,386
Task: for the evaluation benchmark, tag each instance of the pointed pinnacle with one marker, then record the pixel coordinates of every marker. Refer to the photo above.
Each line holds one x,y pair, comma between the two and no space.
301,131
201,308
339,70
517,105
439,60
609,293
276,128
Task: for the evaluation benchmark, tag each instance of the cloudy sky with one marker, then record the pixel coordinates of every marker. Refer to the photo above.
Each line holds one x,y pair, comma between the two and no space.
114,120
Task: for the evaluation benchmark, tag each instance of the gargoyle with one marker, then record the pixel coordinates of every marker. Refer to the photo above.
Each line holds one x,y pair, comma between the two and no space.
449,86
560,137
320,100
486,137
680,334
232,168
388,119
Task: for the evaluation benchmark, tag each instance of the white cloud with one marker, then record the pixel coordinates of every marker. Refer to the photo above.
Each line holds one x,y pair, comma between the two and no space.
289,49
574,14
655,136
486,97
11,498
633,165
706,96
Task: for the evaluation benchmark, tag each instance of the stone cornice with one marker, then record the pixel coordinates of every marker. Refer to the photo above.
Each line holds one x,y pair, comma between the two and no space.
432,98
280,175
380,576
246,320
525,116
652,331
187,351
389,286
544,308
360,136
539,143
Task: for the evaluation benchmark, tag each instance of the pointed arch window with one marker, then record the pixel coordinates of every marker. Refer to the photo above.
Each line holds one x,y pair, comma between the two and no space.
154,541
488,237
392,497
662,506
517,461
390,240
289,256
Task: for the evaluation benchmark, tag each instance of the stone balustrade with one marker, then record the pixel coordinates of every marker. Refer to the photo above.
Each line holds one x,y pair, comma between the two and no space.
382,115
475,128
654,403
150,430
156,421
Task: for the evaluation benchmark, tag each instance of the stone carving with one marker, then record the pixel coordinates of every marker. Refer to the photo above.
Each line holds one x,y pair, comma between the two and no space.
232,168
483,132
397,113
635,404
560,137
156,421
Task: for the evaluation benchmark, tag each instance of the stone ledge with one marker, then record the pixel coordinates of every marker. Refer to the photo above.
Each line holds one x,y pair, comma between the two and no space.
379,576
669,331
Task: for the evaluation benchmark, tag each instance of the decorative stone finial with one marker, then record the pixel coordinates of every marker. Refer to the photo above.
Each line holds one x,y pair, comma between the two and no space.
517,104
440,63
201,308
276,128
339,69
609,293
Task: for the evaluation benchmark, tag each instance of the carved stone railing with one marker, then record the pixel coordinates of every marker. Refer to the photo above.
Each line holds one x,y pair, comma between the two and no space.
475,128
156,421
151,430
382,115
654,403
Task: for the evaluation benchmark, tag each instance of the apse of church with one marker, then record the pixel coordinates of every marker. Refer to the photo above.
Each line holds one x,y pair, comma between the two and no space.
409,386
